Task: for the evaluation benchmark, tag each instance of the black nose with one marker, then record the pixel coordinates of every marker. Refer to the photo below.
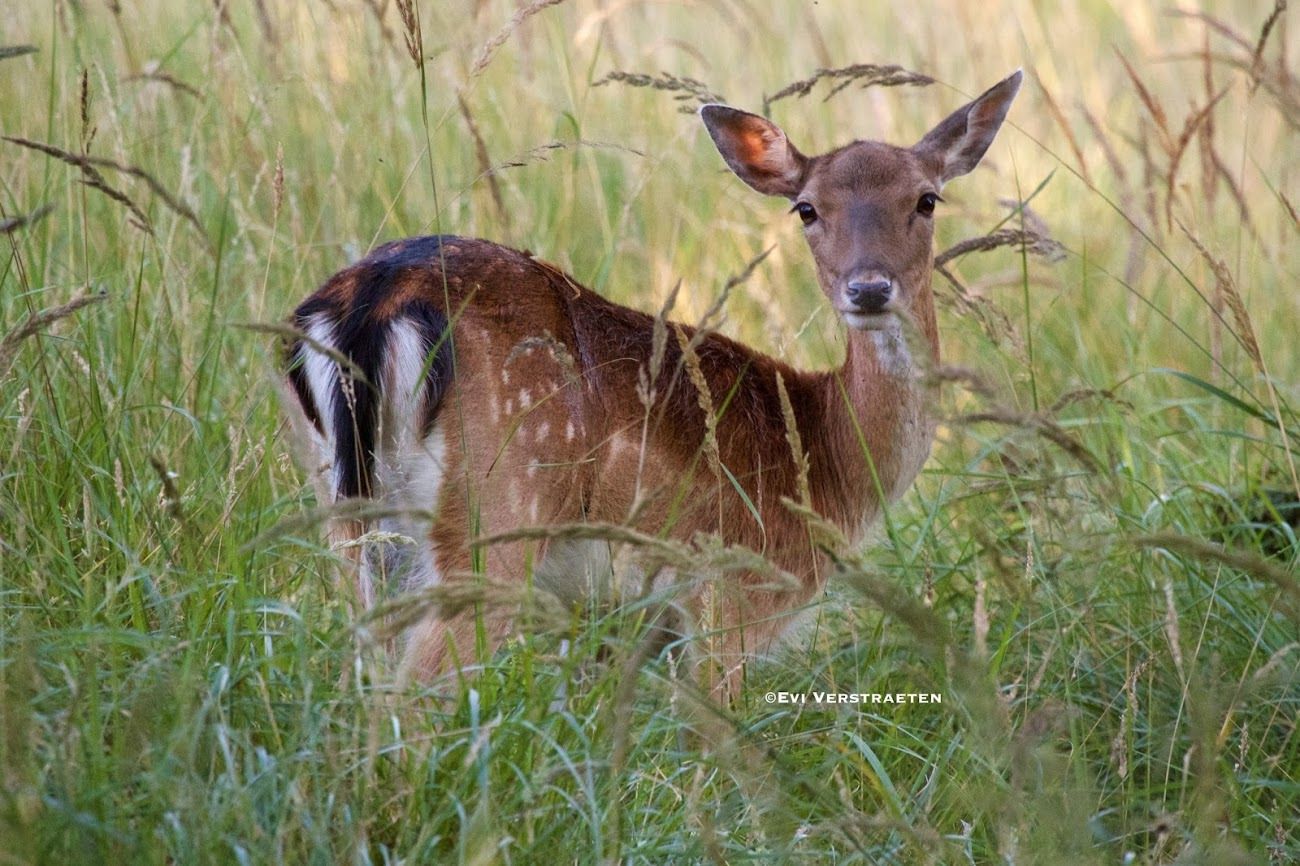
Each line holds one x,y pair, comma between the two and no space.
870,297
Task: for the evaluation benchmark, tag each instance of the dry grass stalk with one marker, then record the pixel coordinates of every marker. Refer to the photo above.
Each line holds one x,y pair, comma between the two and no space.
379,11
705,399
1149,173
489,50
171,495
92,177
964,376
8,51
138,219
1226,286
1253,565
931,631
1059,117
1119,745
1175,147
795,442
264,22
712,317
1172,632
289,333
995,324
1133,262
1034,241
705,555
1237,195
1153,107
222,8
484,162
1209,173
546,342
646,386
659,336
687,89
1069,398
411,31
532,611
980,619
1275,78
10,225
1215,24
1257,56
277,180
36,321
1180,147
87,131
867,74
311,521
170,80
1039,422
542,153
1290,209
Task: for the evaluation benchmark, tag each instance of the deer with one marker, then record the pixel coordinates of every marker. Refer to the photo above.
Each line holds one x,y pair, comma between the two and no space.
470,390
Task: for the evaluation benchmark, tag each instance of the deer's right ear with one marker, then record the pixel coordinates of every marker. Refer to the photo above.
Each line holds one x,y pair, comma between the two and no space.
756,150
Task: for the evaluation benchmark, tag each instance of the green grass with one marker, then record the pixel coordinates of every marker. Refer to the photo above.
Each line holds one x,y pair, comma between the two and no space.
180,678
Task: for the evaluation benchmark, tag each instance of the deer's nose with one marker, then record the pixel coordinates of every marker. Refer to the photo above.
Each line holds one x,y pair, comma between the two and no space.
870,296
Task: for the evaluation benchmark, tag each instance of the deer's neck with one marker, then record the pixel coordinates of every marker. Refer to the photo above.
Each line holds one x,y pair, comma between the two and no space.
874,428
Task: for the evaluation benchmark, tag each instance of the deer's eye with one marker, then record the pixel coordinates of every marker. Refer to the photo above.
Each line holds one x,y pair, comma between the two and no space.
925,205
806,212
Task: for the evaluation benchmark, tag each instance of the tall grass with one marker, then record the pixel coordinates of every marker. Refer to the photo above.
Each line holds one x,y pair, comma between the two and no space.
1096,571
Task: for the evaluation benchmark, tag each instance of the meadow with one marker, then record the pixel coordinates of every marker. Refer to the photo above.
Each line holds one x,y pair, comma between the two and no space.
1096,571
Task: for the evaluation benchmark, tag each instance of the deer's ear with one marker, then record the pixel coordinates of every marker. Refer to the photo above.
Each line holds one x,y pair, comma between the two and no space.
958,144
756,150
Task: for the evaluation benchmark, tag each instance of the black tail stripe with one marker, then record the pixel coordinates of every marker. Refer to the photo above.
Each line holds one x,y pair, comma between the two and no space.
435,336
362,336
297,367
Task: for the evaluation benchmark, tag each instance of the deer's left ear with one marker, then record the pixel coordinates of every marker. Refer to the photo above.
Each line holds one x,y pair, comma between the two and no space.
958,144
756,149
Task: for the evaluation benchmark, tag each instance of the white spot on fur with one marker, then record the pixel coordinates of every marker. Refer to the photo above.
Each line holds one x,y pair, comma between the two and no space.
568,432
505,376
533,509
525,399
617,445
510,407
543,430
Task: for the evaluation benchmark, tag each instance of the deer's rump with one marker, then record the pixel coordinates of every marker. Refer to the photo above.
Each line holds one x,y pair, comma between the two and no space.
489,391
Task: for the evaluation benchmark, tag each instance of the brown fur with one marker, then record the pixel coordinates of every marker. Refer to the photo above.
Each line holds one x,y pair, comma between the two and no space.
541,419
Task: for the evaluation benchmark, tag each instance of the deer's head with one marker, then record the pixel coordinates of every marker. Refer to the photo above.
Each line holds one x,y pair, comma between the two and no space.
867,208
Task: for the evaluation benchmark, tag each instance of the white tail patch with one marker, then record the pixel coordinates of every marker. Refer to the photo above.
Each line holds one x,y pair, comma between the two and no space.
410,481
406,369
322,374
409,466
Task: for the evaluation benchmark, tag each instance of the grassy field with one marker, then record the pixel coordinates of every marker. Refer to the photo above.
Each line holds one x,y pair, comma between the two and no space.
1095,570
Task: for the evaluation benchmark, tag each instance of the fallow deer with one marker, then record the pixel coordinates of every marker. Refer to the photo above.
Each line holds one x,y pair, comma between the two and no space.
472,390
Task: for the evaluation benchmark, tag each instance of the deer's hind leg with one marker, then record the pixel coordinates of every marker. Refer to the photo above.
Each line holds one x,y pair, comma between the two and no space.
531,474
